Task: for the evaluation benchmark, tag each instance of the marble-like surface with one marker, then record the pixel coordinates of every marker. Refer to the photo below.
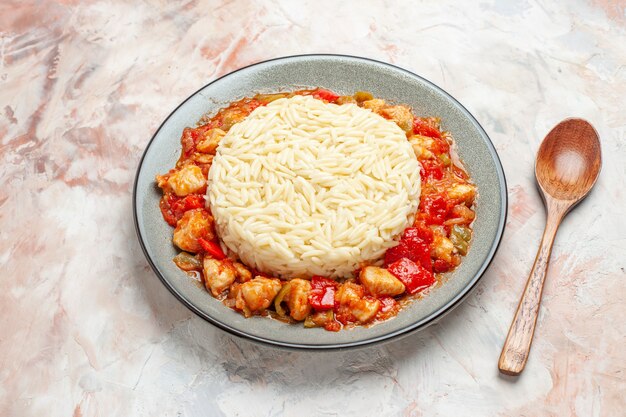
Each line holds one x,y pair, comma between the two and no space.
86,329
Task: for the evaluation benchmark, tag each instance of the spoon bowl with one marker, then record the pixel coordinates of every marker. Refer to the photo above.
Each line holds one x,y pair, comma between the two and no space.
567,166
569,160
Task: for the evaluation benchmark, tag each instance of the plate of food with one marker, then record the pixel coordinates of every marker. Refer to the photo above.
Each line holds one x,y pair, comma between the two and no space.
320,202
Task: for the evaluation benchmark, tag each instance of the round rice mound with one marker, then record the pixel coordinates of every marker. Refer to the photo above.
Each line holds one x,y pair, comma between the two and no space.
302,187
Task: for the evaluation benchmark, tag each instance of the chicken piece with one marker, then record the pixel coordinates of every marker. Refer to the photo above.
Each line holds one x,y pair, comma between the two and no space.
422,146
462,193
401,115
194,224
378,281
422,153
218,275
462,211
243,273
211,140
233,293
348,293
161,180
188,180
375,105
298,299
202,159
365,309
443,248
352,304
257,294
320,319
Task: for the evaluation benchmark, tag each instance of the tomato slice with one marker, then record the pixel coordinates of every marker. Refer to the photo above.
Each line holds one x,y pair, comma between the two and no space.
413,275
190,139
416,251
194,201
421,127
178,206
327,95
166,209
418,231
436,208
432,168
212,248
414,246
322,294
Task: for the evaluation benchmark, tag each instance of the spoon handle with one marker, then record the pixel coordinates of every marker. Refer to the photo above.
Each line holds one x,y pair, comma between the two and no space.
517,344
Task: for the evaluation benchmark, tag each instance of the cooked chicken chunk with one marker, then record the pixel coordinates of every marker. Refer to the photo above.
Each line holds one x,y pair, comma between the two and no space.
375,105
365,309
161,180
257,294
211,140
202,158
348,293
443,248
462,193
189,179
401,115
298,299
218,275
350,298
243,273
194,224
422,146
379,281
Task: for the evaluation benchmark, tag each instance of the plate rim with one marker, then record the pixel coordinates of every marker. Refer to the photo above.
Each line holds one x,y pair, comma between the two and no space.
388,337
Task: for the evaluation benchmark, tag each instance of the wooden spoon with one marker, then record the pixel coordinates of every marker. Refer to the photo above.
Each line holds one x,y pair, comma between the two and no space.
567,167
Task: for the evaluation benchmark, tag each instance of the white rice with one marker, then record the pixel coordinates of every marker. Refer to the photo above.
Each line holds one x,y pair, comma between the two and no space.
302,187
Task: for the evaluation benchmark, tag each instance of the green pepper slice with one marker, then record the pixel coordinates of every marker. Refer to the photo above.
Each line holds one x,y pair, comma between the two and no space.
460,237
278,301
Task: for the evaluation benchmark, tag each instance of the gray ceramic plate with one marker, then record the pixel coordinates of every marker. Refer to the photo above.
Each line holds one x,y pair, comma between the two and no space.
344,75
